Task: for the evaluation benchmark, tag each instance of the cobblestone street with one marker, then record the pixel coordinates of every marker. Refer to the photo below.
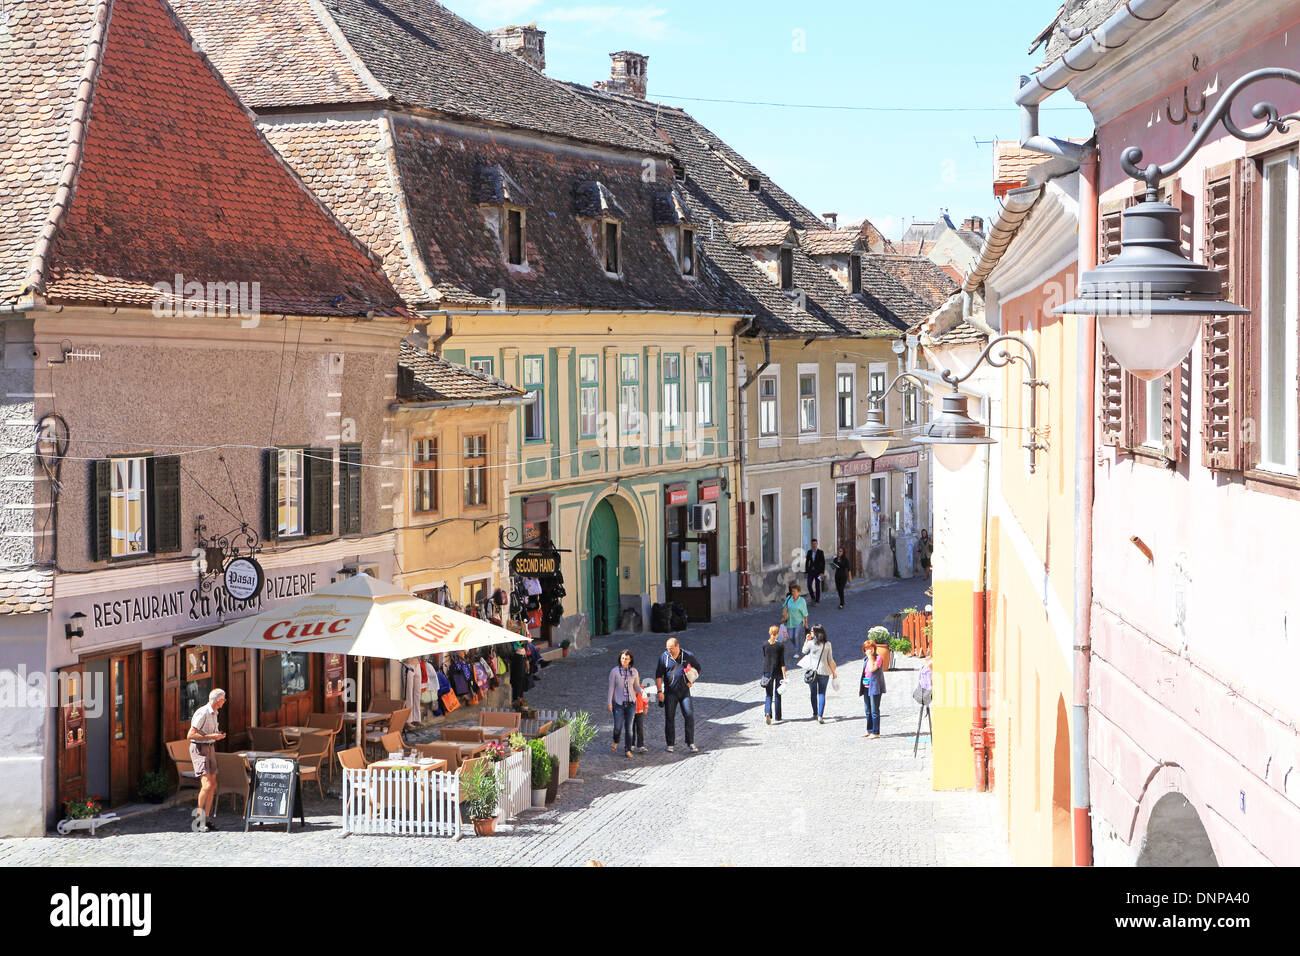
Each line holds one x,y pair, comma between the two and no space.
797,793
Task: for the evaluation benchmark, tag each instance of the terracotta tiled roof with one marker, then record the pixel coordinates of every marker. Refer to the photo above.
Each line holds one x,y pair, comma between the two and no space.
172,176
874,237
963,334
829,242
921,276
412,52
751,234
26,592
1011,165
423,377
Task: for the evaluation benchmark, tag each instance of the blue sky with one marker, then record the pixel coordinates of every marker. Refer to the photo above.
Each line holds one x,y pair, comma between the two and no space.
891,167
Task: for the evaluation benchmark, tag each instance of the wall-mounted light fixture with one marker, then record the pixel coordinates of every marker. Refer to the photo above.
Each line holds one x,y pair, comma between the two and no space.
73,626
1150,299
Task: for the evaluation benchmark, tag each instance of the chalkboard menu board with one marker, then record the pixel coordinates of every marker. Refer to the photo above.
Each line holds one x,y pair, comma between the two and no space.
276,795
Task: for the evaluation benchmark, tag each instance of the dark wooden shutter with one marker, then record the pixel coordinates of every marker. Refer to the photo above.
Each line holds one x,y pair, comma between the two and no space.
101,510
1113,398
1222,355
270,494
349,489
165,504
319,474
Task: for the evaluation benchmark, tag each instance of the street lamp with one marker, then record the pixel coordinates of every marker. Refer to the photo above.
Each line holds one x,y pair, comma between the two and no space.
955,436
872,434
1149,300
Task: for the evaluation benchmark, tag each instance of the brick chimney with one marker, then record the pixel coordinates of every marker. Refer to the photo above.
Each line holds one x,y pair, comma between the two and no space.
528,43
832,219
627,74
974,224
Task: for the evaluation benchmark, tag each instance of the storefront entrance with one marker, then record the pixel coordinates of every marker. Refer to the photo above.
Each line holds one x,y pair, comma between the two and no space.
846,520
602,544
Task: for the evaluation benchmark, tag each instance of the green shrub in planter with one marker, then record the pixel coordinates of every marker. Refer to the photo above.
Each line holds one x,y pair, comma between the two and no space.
84,809
582,731
482,791
878,634
517,741
541,764
900,645
154,786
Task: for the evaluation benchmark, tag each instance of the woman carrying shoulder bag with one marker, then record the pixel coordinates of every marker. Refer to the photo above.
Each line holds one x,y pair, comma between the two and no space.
872,687
820,672
773,672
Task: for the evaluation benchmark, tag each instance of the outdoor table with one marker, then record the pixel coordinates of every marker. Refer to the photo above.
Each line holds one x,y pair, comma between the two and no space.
468,751
368,717
500,734
292,732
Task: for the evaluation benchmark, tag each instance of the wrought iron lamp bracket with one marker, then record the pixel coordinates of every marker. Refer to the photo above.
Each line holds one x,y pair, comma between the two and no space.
1153,173
1000,359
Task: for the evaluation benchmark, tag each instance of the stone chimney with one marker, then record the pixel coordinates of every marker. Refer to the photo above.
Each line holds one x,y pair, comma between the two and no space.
627,74
832,219
974,224
528,43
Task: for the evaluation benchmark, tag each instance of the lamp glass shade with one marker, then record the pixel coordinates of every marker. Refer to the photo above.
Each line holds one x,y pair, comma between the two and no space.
1148,346
953,457
874,447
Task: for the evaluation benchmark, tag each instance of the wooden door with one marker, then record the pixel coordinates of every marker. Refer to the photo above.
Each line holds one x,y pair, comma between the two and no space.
238,687
846,521
170,724
72,735
150,710
121,729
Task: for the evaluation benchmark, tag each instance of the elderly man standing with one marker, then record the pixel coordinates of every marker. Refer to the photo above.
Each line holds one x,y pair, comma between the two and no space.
203,736
677,670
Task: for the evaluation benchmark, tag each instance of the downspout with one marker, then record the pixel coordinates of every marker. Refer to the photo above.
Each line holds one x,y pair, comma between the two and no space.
742,433
980,733
767,360
437,343
1084,425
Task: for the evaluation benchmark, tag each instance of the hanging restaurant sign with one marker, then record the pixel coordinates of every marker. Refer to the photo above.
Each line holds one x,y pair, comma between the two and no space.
535,564
244,578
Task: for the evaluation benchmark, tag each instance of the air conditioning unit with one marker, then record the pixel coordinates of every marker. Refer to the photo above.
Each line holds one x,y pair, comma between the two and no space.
702,517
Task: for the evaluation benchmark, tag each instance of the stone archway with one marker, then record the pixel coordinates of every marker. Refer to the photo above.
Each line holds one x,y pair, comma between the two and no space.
615,564
1175,835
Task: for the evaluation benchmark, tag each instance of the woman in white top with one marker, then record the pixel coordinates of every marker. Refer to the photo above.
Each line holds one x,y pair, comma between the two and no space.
623,683
820,668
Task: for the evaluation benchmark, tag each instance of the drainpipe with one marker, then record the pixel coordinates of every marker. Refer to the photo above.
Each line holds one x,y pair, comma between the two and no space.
437,343
1084,424
767,360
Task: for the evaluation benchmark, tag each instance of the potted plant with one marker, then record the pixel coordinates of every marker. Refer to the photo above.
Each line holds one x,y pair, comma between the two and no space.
900,645
541,771
496,751
564,647
154,786
880,636
482,791
517,741
553,784
582,731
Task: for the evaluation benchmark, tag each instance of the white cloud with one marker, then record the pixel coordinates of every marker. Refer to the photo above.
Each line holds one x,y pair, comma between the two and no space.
644,22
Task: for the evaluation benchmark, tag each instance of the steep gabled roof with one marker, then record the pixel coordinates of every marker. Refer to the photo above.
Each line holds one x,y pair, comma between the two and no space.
748,235
424,377
921,276
163,173
416,53
831,242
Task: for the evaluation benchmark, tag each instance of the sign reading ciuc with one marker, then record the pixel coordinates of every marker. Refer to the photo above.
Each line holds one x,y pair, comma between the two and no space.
243,578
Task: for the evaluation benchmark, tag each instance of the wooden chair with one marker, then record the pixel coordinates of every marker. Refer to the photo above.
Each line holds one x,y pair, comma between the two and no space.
269,739
503,719
386,705
179,752
333,725
313,750
397,721
463,735
354,758
447,752
232,778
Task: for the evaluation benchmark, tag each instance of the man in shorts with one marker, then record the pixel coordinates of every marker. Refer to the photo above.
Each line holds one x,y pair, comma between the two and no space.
203,736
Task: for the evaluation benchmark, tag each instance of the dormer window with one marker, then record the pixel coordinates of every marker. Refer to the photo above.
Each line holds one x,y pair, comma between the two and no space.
613,263
755,184
679,170
855,274
687,252
515,237
787,268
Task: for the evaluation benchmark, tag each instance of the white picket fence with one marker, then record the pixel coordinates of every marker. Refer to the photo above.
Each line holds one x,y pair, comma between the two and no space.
517,769
401,803
557,741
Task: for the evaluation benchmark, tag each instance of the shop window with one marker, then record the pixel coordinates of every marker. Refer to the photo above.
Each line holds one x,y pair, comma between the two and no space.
424,476
672,391
704,390
475,468
877,506
295,672
588,395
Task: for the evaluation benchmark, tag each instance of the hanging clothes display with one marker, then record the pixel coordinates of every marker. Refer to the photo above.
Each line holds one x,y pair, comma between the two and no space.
411,676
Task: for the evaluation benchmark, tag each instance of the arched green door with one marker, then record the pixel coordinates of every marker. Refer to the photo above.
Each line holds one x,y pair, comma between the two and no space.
602,541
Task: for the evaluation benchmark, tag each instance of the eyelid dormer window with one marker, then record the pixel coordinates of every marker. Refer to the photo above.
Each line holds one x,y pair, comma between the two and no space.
686,251
514,237
787,268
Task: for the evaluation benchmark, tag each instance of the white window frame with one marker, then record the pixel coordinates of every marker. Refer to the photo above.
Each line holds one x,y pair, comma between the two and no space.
775,494
704,409
588,393
629,397
672,408
813,434
816,489
773,439
851,370
879,372
1286,463
1153,413
283,499
130,468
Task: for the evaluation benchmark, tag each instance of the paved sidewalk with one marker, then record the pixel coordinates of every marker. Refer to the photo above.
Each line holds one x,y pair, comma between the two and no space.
798,793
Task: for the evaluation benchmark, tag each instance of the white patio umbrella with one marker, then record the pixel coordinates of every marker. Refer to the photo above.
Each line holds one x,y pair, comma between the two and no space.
362,617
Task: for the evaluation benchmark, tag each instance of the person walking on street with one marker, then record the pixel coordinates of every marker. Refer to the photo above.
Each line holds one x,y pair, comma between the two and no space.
843,573
623,684
819,670
638,719
815,568
203,736
795,616
773,672
872,687
924,547
677,670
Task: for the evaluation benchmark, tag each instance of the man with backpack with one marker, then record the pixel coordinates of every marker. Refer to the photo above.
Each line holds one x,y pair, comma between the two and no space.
676,672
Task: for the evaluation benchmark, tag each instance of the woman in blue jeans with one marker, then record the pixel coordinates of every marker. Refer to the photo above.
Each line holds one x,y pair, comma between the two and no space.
822,667
871,687
623,682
